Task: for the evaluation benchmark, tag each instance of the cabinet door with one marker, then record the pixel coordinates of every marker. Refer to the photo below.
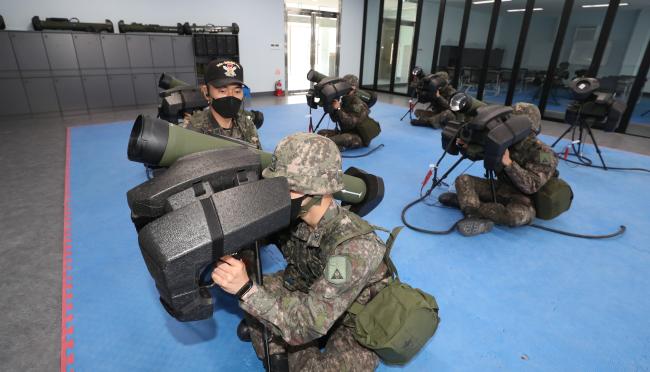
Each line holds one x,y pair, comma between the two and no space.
30,51
60,51
98,95
115,51
121,90
161,51
13,100
7,57
41,95
70,93
145,89
183,51
139,48
89,51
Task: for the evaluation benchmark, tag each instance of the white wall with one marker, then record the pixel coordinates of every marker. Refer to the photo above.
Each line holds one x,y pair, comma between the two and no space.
261,24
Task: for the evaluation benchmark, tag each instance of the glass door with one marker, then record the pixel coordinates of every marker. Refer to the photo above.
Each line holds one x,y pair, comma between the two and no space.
311,44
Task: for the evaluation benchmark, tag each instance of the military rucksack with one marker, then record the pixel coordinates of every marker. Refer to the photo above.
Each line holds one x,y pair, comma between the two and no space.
368,129
399,320
553,199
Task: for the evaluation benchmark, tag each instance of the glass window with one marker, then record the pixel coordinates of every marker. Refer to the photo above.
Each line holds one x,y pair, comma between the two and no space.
386,44
504,48
575,57
623,54
405,45
448,54
640,121
427,37
370,46
479,24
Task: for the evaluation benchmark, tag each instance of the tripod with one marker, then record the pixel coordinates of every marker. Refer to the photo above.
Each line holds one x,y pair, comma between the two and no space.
582,125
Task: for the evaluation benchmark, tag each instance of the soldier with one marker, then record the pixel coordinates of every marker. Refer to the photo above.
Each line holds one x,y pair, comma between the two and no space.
224,115
437,112
527,166
350,114
333,259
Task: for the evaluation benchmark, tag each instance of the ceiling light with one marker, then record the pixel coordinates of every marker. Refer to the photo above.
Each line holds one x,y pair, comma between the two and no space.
523,10
601,5
487,1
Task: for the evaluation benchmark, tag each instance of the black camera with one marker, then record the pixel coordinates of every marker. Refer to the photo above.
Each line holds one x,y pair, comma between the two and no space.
328,89
597,109
487,135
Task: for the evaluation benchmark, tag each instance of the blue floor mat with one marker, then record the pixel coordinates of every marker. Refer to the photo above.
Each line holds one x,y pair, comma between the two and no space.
510,300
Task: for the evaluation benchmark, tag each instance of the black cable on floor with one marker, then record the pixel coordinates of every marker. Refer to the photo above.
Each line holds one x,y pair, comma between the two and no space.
620,231
584,161
364,154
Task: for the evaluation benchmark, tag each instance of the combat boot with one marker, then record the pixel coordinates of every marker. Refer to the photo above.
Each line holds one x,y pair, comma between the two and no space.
472,226
420,123
449,199
244,331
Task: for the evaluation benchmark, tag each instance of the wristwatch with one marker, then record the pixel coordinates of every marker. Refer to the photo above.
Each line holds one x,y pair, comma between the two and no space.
244,289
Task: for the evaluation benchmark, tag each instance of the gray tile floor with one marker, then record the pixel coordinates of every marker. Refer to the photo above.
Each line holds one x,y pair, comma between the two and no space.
32,160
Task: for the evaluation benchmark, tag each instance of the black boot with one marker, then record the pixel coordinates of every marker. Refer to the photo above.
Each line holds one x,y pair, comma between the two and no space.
243,331
419,123
279,362
449,199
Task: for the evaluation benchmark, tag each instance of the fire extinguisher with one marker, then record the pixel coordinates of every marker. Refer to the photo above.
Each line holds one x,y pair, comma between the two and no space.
278,89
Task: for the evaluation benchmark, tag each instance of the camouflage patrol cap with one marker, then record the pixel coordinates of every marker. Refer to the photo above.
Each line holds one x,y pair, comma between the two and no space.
310,162
352,80
530,110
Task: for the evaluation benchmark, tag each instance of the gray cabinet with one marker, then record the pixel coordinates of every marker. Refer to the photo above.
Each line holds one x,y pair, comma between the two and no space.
61,71
70,93
89,51
41,95
29,50
121,90
60,51
13,100
98,94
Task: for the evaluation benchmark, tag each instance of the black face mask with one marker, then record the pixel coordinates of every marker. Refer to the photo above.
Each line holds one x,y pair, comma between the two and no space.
227,107
296,207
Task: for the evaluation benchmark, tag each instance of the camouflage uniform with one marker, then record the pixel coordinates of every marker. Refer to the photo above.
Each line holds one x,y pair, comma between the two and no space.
352,113
533,164
307,302
438,112
243,127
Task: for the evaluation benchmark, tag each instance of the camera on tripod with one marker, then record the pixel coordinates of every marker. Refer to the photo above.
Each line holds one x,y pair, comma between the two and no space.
487,135
328,89
426,86
597,109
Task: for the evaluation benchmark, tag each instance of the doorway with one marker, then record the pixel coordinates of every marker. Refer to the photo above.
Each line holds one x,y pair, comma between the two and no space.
312,43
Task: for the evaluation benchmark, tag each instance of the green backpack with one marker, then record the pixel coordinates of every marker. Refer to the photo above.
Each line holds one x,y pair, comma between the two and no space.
553,199
399,320
368,129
